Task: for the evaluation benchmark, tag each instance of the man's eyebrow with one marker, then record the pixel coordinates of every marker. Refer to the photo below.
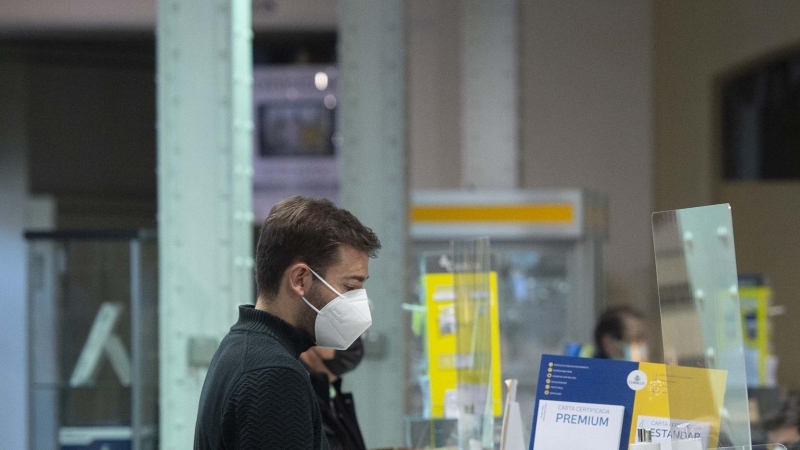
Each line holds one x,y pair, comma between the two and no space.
358,278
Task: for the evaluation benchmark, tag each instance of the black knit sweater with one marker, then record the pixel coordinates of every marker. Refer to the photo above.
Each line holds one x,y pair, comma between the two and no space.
257,395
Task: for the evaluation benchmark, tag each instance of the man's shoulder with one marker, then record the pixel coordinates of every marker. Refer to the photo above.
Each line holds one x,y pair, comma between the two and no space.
243,359
260,351
281,380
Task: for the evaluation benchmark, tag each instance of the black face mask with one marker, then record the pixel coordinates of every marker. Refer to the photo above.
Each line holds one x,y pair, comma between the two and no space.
345,360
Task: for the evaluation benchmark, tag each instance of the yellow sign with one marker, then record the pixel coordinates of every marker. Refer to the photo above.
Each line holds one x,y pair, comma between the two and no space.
555,213
755,304
443,356
682,394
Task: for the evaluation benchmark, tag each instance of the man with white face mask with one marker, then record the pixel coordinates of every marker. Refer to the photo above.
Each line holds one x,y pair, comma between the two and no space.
621,333
312,262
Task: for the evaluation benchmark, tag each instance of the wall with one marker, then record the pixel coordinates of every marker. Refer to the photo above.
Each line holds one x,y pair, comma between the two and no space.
765,218
585,74
13,273
696,44
92,127
433,94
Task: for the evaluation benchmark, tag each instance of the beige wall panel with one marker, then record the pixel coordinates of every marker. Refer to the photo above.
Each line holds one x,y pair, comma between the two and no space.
585,121
434,96
765,220
695,43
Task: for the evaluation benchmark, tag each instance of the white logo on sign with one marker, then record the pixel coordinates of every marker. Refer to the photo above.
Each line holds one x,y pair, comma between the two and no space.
637,380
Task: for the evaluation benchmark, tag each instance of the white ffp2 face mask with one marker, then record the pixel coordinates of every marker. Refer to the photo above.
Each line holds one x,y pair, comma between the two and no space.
343,319
637,352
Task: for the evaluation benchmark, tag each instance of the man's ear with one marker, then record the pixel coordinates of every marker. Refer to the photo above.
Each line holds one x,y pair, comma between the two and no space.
298,279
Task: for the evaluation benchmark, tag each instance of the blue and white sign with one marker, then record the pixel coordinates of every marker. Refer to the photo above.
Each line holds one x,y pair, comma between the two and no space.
602,393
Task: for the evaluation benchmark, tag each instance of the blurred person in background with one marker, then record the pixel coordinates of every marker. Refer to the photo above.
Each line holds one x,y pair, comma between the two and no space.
621,334
326,367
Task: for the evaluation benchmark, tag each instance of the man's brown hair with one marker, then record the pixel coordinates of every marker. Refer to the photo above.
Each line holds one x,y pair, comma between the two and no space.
308,230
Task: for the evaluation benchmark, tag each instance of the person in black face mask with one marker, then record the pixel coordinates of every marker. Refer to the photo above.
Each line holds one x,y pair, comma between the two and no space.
325,367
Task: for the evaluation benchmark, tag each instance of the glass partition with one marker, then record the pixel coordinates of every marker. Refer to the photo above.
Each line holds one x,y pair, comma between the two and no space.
476,356
430,422
535,286
536,283
454,358
701,322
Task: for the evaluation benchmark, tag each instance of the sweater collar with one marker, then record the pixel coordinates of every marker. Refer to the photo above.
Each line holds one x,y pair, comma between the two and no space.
255,320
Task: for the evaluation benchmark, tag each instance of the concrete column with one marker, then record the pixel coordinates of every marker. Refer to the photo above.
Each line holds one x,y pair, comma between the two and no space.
204,106
13,260
489,92
373,165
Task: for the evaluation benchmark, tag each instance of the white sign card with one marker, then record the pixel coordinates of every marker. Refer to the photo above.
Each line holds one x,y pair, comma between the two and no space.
578,426
665,430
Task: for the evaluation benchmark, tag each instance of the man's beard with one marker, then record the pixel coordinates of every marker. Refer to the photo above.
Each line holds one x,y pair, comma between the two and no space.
308,317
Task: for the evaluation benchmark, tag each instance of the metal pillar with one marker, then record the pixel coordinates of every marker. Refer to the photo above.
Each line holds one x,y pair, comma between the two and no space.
204,104
489,92
13,263
373,186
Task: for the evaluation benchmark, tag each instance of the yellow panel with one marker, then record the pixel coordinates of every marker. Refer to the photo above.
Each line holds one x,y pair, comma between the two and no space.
681,393
550,213
441,341
757,300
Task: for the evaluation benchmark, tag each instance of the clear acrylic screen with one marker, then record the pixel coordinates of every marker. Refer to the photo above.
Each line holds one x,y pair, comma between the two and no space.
701,321
534,286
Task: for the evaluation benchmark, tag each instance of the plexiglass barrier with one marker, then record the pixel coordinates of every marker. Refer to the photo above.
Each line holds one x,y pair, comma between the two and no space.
702,331
476,316
432,423
456,359
535,284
